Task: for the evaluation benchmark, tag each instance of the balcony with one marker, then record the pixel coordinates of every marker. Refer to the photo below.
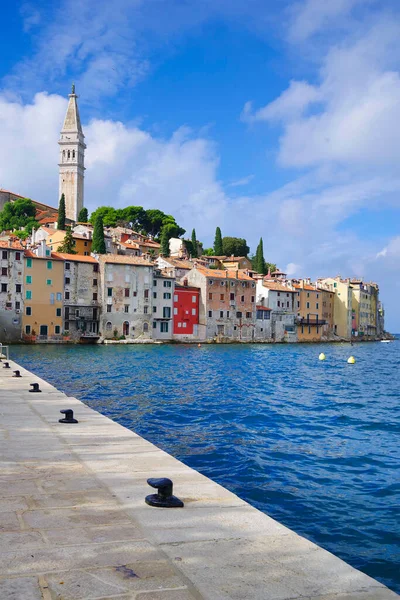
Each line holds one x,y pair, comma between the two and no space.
307,321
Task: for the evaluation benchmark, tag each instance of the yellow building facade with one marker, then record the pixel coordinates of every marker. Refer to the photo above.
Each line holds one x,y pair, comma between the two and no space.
43,297
364,306
83,245
309,307
342,305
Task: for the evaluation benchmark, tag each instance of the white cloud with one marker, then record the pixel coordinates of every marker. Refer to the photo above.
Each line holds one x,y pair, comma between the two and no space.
241,182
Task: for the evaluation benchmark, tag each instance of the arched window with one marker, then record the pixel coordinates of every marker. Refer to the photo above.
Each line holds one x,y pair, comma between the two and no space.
125,328
69,154
145,327
108,325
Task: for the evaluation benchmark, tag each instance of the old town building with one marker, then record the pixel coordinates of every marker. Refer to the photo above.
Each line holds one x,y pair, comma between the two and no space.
11,290
186,312
162,309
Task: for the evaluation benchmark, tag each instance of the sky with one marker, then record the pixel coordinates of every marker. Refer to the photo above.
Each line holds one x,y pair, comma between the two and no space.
276,119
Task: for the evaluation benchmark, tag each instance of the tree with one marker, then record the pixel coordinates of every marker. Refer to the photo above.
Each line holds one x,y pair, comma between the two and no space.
98,244
18,214
218,249
233,246
194,244
68,245
164,250
61,213
270,267
260,265
108,215
83,215
208,252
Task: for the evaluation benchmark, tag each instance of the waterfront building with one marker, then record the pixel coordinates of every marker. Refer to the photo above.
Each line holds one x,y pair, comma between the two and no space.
342,304
72,159
125,296
42,319
186,312
227,310
364,308
162,309
263,324
11,290
278,296
311,326
81,310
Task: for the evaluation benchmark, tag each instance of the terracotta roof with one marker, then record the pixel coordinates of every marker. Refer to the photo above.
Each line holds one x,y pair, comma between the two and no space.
14,245
179,263
127,260
80,236
263,308
48,230
217,257
308,288
130,244
150,243
233,258
186,288
48,220
226,274
276,286
74,257
30,254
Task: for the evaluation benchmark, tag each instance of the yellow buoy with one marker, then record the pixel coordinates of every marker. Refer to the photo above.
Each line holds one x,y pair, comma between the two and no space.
351,360
322,356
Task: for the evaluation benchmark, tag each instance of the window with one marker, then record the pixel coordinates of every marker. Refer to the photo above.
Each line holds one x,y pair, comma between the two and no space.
4,254
279,293
49,282
3,287
67,266
164,326
109,306
227,314
85,243
66,325
28,295
210,295
248,315
27,329
4,270
18,256
109,292
232,297
239,314
67,281
155,282
29,279
94,282
66,296
221,314
278,303
210,313
287,295
58,312
335,285
167,284
166,312
126,308
155,324
317,295
242,298
211,281
179,324
18,288
94,295
134,294
244,284
193,311
167,296
17,305
308,305
176,310
48,252
50,264
222,282
108,325
29,263
287,304
146,309
59,297
232,283
57,329
253,299
317,304
146,293
28,310
96,269
308,294
193,299
154,295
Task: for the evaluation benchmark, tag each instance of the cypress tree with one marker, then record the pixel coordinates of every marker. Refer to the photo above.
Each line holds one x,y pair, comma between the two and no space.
61,214
194,244
218,250
164,250
68,245
98,244
260,261
83,215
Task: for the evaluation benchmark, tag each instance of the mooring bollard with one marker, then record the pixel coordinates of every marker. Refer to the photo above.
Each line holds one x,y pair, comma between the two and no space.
164,498
69,416
16,374
6,365
35,387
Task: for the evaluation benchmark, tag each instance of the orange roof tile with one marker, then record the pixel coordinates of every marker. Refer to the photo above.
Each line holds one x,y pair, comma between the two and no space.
74,257
309,288
14,245
127,260
226,274
276,286
30,254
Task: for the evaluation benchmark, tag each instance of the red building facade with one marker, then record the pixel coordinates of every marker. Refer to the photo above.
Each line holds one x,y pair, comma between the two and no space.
186,310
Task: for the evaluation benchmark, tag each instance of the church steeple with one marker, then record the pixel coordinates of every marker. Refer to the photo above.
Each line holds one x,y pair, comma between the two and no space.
72,159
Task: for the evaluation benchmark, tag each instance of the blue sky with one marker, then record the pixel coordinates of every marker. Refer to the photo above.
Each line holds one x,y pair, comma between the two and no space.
278,119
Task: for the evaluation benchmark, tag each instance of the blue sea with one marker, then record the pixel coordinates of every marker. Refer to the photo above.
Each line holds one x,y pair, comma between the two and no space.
313,444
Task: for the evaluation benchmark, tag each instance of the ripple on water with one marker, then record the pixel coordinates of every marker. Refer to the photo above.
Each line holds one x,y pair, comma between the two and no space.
314,444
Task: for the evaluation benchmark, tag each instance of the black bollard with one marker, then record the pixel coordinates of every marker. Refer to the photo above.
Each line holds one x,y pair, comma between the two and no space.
6,365
35,388
164,498
69,416
16,374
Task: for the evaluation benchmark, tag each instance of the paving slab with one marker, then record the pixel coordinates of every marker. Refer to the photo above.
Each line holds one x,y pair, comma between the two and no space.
74,524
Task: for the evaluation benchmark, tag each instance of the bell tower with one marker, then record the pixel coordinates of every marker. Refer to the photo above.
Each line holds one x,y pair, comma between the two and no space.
72,159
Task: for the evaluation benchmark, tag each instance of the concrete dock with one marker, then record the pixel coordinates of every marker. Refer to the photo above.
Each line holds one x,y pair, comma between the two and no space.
74,524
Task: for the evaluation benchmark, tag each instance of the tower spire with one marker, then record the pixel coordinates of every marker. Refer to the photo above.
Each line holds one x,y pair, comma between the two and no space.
72,159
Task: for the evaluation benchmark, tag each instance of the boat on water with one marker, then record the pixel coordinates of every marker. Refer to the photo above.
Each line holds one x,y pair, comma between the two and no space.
386,341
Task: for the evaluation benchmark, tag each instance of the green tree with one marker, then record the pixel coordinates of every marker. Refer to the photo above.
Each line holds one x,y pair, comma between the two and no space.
194,244
218,248
208,252
61,213
233,246
259,263
98,244
107,213
18,214
164,250
270,267
68,245
83,215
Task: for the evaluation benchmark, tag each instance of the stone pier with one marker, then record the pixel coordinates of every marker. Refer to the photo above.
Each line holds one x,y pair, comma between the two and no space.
74,524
